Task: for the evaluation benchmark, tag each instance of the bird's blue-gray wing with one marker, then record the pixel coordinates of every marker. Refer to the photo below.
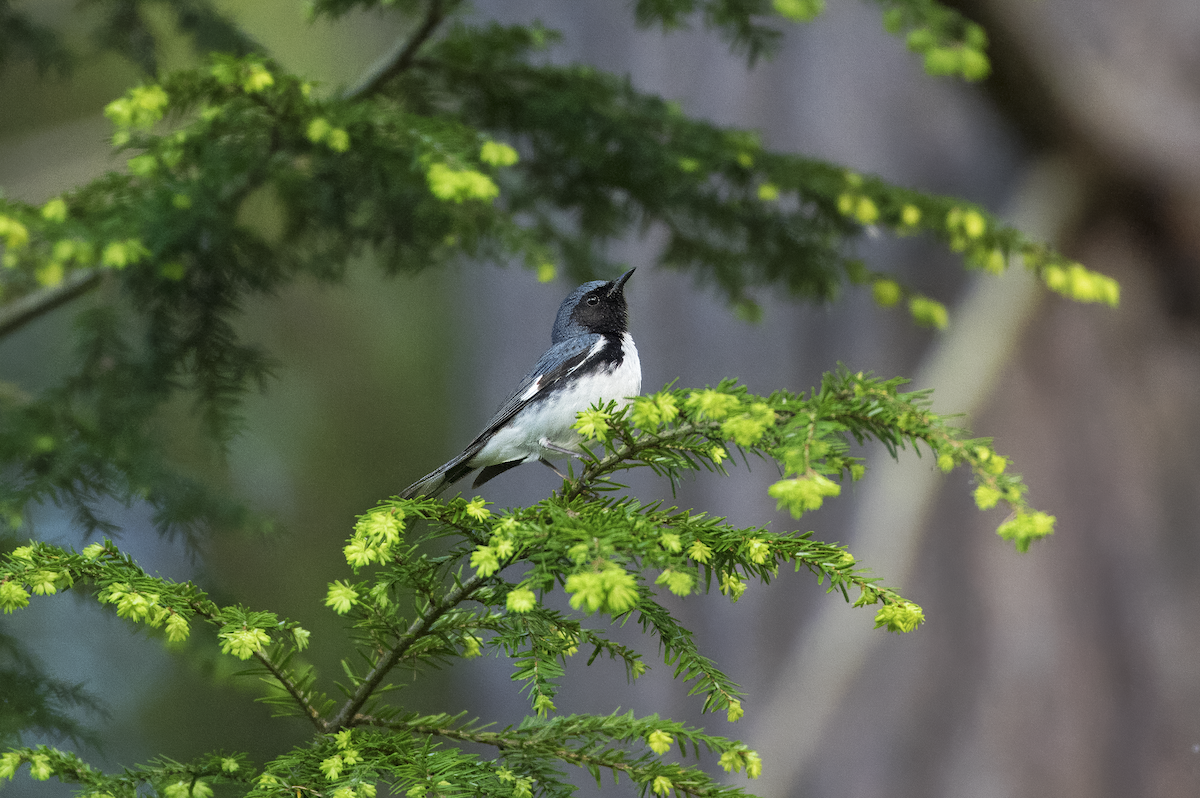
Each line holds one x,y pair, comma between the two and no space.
559,362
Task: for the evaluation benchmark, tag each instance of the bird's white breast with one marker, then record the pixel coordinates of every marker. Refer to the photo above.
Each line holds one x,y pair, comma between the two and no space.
553,417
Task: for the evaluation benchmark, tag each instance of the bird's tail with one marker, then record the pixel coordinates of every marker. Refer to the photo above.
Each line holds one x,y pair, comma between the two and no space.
440,478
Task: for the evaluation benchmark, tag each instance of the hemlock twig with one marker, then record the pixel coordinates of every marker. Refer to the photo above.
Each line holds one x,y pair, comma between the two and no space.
400,57
19,312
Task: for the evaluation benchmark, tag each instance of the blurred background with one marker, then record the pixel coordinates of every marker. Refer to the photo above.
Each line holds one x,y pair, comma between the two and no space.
1073,670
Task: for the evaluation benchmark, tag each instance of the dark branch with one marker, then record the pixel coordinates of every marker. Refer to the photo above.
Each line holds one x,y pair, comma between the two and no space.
630,449
400,57
18,313
293,690
388,659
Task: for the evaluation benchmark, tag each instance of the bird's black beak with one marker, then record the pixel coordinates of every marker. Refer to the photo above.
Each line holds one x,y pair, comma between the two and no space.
618,285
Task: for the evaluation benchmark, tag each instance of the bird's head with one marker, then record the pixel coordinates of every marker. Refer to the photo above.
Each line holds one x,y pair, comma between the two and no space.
595,307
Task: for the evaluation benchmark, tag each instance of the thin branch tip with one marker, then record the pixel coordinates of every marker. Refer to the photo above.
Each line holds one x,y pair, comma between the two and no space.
16,314
400,57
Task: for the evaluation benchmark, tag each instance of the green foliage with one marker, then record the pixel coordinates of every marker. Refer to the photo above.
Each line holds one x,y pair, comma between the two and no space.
948,43
484,590
242,178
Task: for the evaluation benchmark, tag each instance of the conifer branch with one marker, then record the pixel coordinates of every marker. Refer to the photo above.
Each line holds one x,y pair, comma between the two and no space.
388,659
400,57
548,741
16,314
574,756
629,449
293,689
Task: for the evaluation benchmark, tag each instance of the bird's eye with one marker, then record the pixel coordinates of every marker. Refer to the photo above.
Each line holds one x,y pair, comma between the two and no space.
593,300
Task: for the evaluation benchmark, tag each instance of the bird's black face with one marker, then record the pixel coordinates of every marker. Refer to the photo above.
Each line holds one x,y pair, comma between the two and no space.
603,310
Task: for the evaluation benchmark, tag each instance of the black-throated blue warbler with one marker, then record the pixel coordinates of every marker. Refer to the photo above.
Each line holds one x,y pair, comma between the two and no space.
591,358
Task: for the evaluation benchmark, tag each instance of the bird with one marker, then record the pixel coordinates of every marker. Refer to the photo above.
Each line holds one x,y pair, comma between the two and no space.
591,358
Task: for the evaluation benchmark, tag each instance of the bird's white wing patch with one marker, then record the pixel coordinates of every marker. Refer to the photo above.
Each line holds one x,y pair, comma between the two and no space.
533,388
596,349
539,383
